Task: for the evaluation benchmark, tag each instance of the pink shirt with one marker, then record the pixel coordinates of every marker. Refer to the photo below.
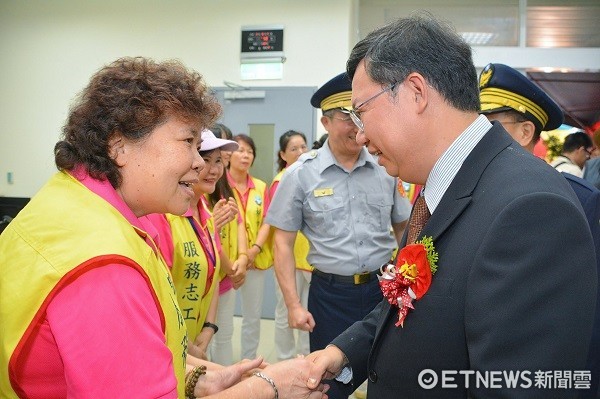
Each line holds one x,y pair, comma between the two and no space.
165,235
102,335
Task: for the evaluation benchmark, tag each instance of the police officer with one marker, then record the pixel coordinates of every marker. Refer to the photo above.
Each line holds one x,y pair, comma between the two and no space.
524,110
346,205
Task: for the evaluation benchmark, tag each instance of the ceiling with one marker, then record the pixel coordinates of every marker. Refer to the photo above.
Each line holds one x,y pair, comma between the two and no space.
577,93
518,23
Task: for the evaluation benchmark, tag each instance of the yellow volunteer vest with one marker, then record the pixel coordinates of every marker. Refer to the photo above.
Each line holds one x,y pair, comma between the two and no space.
253,216
190,273
301,246
43,250
229,241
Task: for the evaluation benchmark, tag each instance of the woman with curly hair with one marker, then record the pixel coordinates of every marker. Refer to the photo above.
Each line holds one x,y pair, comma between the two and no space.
87,304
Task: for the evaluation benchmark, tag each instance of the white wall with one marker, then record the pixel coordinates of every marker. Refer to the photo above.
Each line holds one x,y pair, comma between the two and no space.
51,48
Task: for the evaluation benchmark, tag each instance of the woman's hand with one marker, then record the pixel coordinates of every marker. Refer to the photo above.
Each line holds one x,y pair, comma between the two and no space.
238,271
218,380
291,378
223,213
200,345
253,252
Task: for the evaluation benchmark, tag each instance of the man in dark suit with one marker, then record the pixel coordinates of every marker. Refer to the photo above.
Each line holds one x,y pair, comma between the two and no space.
524,110
512,301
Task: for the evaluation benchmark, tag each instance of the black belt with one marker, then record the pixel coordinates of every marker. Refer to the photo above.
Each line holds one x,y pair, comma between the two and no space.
355,279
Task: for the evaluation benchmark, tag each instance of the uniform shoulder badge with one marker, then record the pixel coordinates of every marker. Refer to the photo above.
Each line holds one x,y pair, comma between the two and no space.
308,155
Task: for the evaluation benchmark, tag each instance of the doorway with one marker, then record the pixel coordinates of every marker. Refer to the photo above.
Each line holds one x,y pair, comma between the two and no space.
265,113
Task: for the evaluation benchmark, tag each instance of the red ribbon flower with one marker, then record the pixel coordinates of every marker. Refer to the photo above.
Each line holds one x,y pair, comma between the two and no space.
410,278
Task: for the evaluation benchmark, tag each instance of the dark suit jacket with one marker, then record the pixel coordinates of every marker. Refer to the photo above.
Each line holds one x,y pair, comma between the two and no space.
589,197
591,173
515,288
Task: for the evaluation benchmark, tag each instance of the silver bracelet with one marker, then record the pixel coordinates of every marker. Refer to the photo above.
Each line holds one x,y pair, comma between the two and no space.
269,380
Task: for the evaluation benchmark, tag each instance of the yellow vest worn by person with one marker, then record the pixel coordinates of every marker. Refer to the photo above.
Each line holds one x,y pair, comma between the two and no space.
42,250
253,216
301,246
229,240
190,273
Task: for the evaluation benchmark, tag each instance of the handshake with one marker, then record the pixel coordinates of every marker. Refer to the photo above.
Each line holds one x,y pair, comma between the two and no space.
290,379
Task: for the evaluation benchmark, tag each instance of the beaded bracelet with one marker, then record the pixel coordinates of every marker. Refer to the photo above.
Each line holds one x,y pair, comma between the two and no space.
191,379
269,380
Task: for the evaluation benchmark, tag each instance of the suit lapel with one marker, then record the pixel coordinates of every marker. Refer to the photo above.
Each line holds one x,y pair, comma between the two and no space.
458,196
459,193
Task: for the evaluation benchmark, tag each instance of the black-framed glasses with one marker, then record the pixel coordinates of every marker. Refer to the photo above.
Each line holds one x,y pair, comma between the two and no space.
355,113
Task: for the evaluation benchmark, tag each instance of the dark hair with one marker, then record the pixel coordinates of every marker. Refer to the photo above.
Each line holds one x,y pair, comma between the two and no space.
575,140
222,188
248,140
422,44
284,139
221,131
319,143
130,96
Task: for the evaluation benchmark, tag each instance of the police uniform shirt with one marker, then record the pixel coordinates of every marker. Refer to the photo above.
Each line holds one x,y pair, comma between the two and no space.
346,215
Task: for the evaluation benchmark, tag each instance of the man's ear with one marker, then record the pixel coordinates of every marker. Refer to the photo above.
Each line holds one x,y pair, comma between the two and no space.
526,133
325,121
419,89
116,149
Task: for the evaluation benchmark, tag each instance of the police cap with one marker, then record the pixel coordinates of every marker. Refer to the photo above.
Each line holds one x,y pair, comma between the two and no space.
503,88
337,93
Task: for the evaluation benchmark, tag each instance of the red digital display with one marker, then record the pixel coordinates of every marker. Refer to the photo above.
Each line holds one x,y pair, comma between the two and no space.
257,41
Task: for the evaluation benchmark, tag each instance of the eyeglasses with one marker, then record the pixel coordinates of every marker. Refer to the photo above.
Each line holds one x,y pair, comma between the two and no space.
342,119
355,114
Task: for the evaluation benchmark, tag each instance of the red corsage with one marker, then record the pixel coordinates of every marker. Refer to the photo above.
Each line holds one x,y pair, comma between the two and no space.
410,278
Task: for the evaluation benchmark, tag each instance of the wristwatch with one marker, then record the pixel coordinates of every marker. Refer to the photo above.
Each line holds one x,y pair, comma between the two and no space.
211,325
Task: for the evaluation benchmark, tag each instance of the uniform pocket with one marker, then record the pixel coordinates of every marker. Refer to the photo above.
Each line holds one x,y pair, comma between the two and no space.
380,209
327,214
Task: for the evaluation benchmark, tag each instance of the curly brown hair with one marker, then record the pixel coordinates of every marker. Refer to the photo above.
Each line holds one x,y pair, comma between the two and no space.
131,96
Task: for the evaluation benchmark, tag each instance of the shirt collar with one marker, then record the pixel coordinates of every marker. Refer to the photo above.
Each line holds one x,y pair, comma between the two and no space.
327,159
448,165
249,182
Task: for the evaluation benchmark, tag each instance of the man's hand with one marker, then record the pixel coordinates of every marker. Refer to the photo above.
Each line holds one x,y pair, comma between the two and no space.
300,318
326,364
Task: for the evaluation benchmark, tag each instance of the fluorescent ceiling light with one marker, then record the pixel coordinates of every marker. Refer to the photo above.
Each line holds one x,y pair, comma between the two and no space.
477,38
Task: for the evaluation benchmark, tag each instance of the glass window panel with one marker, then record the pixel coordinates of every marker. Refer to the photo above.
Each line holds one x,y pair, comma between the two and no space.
481,23
554,23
